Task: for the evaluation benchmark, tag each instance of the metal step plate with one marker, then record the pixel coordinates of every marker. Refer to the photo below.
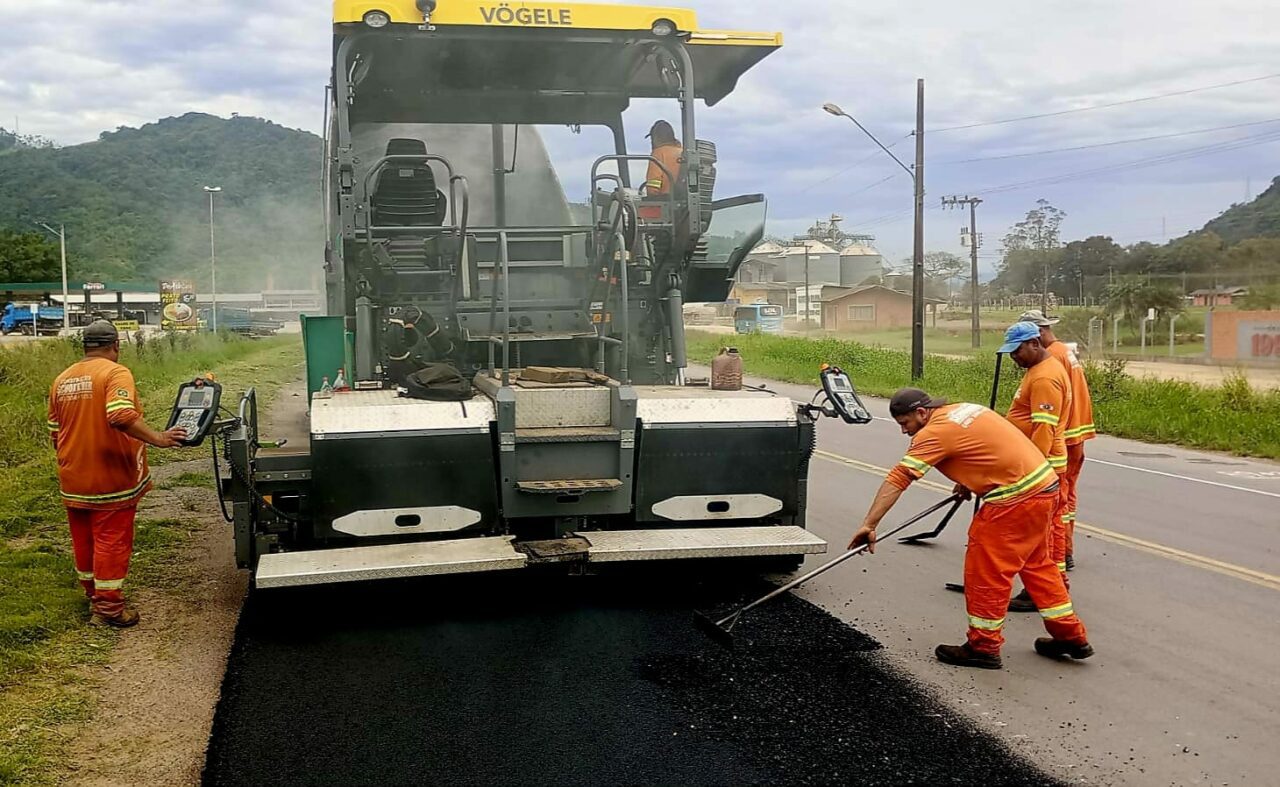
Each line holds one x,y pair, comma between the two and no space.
571,487
679,543
324,566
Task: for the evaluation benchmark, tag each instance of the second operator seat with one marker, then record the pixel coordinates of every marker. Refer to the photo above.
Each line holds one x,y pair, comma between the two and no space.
406,194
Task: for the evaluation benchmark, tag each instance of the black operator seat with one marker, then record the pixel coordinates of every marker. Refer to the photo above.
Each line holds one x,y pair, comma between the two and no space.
406,194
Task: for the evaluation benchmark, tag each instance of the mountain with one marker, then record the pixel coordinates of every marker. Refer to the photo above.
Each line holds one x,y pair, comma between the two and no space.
1257,219
134,205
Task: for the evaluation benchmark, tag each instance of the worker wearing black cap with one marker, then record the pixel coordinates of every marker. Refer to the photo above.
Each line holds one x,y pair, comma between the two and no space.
95,420
988,456
667,151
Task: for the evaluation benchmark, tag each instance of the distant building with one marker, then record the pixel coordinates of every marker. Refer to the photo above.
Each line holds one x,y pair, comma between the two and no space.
860,263
809,305
870,308
776,293
1217,296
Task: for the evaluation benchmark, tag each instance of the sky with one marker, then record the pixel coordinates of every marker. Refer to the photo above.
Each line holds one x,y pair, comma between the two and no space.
71,70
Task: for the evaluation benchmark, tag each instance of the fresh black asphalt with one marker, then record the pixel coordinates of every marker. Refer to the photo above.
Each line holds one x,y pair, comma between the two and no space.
528,679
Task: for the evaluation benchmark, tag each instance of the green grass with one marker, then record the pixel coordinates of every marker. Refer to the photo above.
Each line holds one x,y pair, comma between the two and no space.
44,643
1232,417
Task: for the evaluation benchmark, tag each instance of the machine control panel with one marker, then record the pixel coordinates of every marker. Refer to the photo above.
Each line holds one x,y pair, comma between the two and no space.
195,409
843,397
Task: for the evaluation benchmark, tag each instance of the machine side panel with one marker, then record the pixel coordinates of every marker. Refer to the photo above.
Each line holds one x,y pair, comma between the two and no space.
388,473
722,468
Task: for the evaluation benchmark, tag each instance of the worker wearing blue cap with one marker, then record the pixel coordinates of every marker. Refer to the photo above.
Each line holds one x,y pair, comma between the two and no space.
1040,409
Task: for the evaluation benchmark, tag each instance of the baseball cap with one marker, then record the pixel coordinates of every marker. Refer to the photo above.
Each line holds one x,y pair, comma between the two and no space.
1018,333
100,333
661,125
1036,316
909,400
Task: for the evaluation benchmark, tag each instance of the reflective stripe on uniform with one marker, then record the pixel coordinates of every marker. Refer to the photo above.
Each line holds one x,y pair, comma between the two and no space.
108,498
653,184
1062,567
1058,462
1044,418
84,576
1060,611
915,464
108,584
1082,430
986,624
119,404
1013,490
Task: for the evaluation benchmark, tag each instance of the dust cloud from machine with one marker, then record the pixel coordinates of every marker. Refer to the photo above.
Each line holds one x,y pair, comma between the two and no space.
269,242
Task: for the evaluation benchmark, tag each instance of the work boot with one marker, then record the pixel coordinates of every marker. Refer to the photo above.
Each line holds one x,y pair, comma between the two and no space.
126,619
1071,562
964,656
1022,603
1057,648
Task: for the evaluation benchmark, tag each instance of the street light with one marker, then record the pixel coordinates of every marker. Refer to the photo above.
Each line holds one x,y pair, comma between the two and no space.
61,232
917,267
213,257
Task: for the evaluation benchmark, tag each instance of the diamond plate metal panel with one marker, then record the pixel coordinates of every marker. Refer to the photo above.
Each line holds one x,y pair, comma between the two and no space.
325,566
686,405
675,544
385,412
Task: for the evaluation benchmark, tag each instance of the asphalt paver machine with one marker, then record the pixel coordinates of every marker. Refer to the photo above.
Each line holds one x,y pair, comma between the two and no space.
450,242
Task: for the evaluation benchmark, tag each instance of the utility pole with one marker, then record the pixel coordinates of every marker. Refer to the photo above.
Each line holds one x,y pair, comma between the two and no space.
213,257
917,278
917,177
61,232
974,244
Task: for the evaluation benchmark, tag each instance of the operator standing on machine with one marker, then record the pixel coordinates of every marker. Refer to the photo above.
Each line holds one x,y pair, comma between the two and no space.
987,456
1040,409
96,424
1080,427
667,150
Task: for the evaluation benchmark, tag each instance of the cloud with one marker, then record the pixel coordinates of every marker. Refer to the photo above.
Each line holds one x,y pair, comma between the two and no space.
70,70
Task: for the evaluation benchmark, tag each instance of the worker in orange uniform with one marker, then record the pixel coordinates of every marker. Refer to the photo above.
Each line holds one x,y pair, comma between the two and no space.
97,428
1080,427
668,151
986,455
1040,410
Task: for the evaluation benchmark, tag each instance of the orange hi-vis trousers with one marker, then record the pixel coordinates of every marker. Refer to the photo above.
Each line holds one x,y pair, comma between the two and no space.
1008,541
102,542
1070,485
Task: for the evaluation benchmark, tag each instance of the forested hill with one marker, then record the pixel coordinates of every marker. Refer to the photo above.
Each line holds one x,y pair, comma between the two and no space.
1257,219
134,205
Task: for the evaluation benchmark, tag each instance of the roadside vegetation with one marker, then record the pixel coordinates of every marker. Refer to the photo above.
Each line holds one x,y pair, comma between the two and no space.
44,642
1232,417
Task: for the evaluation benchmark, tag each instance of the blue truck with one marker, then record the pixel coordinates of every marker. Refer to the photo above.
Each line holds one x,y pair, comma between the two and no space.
31,320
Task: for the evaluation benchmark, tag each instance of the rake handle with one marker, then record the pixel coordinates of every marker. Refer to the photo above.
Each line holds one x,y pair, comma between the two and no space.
954,499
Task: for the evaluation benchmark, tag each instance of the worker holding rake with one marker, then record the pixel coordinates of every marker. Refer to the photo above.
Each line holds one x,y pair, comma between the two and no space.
986,455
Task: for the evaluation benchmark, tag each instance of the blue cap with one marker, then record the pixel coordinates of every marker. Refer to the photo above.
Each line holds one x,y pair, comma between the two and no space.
1018,333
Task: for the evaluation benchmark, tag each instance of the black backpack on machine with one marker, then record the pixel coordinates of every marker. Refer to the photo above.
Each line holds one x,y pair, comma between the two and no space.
437,382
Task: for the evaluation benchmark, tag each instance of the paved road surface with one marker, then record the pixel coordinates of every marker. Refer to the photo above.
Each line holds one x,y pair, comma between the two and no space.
1179,570
1178,580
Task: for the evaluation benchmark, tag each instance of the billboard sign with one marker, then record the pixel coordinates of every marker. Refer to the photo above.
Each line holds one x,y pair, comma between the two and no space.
1258,339
178,305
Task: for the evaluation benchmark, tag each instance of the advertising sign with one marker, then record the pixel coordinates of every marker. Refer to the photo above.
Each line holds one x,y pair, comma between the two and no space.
1259,339
178,305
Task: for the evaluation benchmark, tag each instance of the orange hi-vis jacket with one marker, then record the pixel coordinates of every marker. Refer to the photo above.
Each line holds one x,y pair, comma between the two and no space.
1041,408
99,466
1080,423
976,448
655,180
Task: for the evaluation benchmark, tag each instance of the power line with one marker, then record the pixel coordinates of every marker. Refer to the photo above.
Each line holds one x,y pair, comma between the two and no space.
1190,153
1106,144
1126,102
852,166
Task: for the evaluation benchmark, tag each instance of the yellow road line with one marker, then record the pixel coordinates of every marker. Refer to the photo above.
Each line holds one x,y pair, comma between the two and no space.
1259,578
